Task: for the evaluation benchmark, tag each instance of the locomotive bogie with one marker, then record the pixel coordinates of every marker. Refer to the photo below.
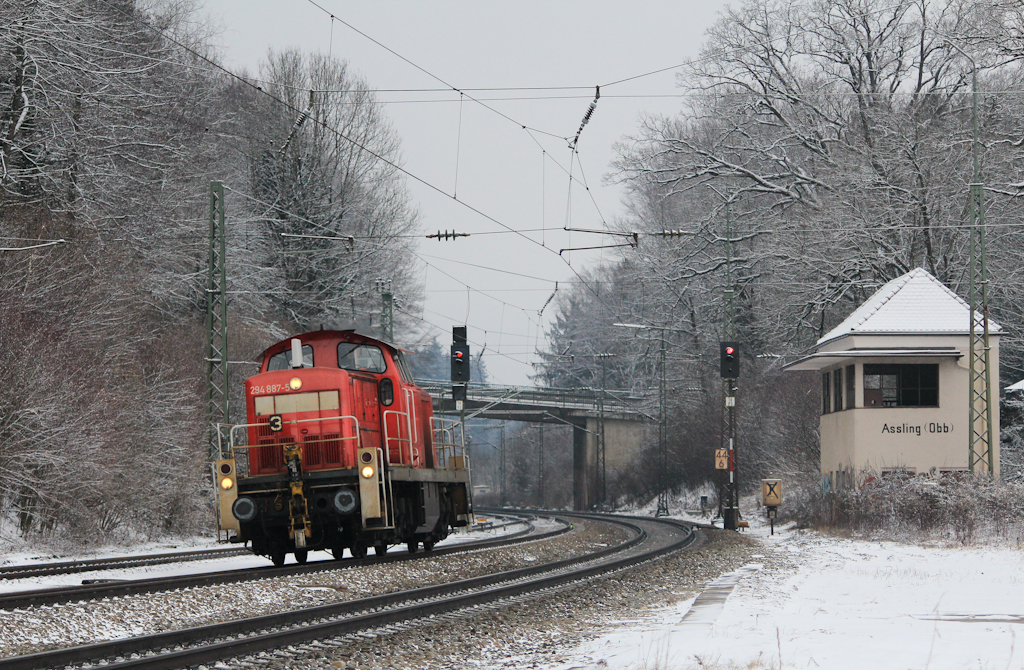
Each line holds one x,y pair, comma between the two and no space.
340,451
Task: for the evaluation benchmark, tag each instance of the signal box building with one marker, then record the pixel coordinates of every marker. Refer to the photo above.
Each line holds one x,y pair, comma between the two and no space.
894,383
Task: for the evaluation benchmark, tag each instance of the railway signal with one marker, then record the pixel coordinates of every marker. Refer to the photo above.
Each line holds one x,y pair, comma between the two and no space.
460,356
730,360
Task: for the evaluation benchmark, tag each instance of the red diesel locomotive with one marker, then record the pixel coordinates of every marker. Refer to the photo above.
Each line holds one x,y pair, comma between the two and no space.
340,450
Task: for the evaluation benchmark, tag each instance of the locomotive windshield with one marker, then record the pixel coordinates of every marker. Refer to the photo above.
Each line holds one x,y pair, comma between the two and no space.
363,357
282,360
403,366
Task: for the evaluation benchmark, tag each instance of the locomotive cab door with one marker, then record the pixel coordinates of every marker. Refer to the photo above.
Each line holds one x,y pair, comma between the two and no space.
367,410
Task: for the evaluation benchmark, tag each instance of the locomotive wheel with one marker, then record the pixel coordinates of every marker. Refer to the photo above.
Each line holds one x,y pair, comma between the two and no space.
358,551
413,546
301,555
277,556
428,545
380,549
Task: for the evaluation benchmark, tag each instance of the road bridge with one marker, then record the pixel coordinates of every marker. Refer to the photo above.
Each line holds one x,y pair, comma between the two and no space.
625,423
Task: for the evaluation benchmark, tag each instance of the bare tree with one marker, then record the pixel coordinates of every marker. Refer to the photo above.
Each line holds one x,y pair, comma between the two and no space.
329,211
103,135
825,148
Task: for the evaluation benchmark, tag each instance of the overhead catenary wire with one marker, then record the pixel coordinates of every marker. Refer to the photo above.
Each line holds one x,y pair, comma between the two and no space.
348,240
445,331
469,288
510,229
462,95
530,130
427,72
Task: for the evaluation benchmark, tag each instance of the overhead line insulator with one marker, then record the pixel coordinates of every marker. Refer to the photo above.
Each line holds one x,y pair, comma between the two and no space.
586,117
674,233
446,235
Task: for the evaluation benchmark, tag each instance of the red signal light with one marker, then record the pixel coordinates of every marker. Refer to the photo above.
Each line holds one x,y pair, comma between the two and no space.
458,354
730,351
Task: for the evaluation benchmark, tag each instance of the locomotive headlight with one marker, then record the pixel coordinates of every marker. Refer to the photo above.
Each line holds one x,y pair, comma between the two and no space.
367,471
295,384
227,483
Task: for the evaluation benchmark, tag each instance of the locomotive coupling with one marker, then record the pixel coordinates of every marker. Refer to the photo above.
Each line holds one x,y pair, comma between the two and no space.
297,510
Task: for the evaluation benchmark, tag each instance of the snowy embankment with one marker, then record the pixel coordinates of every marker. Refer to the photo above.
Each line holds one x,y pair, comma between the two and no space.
814,601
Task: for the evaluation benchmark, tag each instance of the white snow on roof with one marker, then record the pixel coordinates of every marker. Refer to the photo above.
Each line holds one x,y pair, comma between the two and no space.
1019,386
915,303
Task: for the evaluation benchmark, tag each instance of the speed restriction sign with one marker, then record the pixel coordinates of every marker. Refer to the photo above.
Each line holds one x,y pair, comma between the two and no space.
721,459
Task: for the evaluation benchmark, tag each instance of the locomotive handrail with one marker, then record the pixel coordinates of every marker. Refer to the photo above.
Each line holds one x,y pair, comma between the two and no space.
233,427
449,445
410,402
399,439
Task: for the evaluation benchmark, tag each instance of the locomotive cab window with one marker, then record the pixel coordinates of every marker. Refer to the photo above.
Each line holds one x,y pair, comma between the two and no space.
403,366
901,385
282,360
361,357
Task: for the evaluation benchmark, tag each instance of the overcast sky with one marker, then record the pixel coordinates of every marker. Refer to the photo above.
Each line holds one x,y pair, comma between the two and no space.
481,154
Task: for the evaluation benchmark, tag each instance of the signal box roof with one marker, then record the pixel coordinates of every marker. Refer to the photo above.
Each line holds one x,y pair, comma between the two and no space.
913,304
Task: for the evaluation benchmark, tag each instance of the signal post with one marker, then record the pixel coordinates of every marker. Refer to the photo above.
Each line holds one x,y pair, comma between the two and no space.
729,499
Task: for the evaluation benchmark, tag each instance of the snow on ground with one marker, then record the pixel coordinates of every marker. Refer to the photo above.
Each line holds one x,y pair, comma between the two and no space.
816,601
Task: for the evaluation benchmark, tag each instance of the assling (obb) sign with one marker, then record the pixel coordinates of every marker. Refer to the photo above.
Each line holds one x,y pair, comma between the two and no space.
917,429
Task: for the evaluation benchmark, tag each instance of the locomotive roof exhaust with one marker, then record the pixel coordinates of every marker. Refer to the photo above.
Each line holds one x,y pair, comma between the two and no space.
296,352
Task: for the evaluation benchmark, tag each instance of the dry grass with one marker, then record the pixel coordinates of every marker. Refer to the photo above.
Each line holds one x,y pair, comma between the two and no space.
957,510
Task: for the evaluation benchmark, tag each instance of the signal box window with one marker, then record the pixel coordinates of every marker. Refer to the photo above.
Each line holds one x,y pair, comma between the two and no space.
901,385
282,360
826,393
851,371
361,357
837,388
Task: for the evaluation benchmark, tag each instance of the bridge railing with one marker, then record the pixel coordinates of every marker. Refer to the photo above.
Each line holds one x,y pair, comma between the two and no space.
571,398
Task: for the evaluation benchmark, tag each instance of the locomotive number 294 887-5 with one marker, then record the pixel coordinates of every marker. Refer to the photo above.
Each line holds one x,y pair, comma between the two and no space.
269,388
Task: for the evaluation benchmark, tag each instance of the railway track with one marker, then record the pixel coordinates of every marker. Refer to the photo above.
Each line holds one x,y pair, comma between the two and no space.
115,588
116,563
127,562
650,538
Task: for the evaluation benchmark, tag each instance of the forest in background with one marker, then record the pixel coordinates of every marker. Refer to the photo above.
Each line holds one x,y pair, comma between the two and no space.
829,141
114,118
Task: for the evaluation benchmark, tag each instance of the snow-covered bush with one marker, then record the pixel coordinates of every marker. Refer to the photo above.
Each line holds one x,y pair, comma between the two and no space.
958,507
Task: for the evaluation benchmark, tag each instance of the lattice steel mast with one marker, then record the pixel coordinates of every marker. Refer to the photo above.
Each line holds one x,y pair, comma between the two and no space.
980,455
387,313
216,321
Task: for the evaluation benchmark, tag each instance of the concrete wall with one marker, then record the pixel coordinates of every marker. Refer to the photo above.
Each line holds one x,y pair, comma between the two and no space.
917,438
623,440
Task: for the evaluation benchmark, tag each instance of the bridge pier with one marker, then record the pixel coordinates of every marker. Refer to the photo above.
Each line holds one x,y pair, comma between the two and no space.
623,440
584,467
